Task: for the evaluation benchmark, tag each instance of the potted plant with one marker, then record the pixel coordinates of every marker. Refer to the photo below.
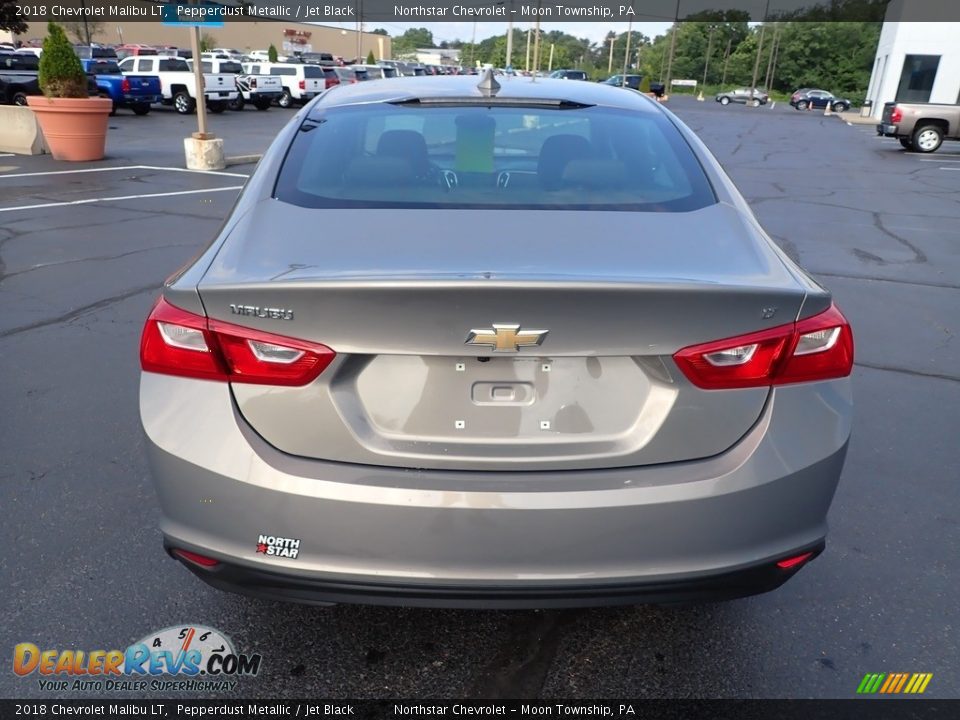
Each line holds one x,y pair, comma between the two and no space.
74,124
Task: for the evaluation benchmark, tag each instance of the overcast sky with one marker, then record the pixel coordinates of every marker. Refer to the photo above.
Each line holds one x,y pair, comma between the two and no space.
596,31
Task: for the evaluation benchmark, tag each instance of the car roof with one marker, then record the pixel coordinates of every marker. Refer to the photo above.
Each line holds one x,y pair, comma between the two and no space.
466,86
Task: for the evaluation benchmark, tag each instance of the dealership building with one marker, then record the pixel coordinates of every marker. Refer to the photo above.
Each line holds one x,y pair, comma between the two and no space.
916,61
287,37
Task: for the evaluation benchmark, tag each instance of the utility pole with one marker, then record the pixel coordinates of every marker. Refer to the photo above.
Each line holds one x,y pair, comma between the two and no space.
526,67
360,58
473,45
756,64
673,44
510,38
773,48
536,45
201,133
726,60
706,63
610,61
626,53
550,64
776,55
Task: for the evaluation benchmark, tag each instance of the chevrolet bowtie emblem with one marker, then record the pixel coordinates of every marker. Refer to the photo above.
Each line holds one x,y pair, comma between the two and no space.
506,338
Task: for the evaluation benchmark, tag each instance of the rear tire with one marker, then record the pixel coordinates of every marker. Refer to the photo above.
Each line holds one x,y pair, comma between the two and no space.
755,102
262,104
183,103
237,103
286,99
217,106
140,108
19,98
802,105
840,107
927,138
724,101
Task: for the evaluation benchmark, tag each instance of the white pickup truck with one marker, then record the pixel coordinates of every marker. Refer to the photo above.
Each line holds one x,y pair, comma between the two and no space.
179,85
301,82
261,90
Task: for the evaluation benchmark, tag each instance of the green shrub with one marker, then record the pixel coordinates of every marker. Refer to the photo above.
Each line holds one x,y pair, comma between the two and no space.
370,59
61,74
645,84
272,53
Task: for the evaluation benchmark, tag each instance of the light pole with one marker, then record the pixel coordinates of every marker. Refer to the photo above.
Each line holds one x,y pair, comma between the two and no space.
673,45
359,31
610,61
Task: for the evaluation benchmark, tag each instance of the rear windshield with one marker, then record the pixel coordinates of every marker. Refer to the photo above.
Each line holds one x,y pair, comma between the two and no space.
405,156
104,67
313,71
174,66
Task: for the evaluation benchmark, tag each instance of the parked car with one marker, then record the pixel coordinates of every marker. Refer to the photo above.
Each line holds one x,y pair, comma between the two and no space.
19,78
505,415
569,74
805,98
920,127
632,81
744,96
85,52
137,92
301,82
352,74
179,85
261,90
125,51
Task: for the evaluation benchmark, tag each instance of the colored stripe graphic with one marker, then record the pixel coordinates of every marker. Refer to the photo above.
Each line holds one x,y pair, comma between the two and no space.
894,683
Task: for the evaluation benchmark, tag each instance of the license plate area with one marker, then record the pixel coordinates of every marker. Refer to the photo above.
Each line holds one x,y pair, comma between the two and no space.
501,399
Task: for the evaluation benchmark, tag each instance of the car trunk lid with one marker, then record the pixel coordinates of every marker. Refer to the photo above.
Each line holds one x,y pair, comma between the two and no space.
613,296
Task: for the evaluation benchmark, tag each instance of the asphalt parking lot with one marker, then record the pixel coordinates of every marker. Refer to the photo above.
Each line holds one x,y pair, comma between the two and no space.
81,563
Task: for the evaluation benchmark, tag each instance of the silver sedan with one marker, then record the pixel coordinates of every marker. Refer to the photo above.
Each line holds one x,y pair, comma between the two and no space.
468,341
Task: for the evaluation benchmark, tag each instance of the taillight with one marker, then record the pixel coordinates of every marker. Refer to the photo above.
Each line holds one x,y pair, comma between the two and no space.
332,82
818,348
177,342
897,115
125,85
196,558
303,84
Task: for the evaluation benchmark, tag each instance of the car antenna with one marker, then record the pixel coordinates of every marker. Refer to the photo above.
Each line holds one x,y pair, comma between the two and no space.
488,85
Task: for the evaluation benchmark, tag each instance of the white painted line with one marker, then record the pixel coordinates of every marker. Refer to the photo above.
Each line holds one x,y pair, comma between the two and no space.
7,154
122,167
957,169
941,160
114,199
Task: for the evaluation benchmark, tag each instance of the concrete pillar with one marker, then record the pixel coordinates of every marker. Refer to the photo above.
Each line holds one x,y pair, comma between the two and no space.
204,153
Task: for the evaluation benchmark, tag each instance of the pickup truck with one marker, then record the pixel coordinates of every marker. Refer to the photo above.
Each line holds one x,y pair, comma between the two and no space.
261,90
136,92
19,78
178,83
920,127
301,83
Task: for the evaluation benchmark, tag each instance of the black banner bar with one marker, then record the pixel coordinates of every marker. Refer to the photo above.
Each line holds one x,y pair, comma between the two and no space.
521,11
860,709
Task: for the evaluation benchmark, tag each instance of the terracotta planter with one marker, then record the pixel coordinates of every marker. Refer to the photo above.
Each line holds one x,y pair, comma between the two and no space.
75,128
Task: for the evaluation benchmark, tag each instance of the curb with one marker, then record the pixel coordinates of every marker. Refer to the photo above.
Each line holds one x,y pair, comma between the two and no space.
242,159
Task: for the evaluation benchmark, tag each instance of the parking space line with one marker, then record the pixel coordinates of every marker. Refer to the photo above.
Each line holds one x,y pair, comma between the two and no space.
122,167
88,201
941,160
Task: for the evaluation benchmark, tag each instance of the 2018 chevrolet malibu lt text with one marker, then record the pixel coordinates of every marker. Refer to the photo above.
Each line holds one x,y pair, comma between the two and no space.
507,344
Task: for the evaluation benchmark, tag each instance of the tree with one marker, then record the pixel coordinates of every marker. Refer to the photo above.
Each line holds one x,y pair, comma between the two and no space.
380,31
83,32
9,20
61,74
412,39
272,53
371,60
207,42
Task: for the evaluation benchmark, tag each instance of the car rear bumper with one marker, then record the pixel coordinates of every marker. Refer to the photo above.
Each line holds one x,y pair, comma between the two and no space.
142,99
887,130
708,529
